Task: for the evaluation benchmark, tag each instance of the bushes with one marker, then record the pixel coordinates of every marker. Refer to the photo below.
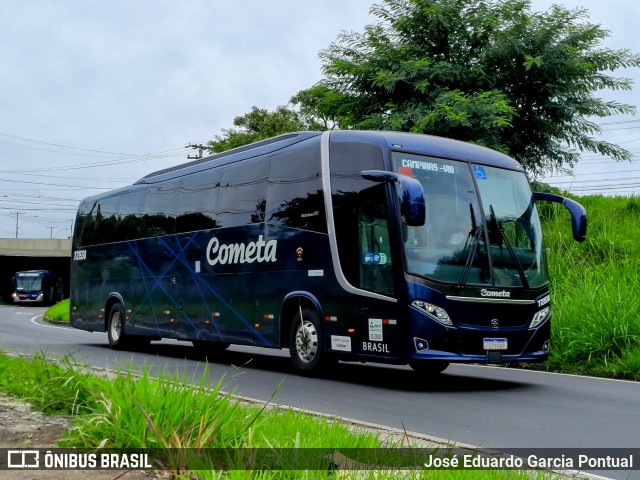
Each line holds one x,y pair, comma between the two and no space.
595,288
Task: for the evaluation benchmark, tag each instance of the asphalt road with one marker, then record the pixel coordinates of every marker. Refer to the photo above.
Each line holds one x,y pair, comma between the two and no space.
487,406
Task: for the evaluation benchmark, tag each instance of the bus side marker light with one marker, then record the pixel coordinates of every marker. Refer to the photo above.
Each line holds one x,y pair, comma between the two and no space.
268,316
351,330
172,320
329,318
256,325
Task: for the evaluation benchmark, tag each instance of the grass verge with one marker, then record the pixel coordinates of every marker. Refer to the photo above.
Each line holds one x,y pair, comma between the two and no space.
58,312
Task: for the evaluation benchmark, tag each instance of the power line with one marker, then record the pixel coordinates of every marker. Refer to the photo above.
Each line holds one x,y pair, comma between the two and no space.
120,161
61,146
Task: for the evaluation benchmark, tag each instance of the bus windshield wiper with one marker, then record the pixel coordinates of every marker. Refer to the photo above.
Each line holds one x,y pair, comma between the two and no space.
475,234
503,239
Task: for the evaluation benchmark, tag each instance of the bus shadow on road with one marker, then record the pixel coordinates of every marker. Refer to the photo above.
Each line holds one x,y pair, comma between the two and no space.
374,375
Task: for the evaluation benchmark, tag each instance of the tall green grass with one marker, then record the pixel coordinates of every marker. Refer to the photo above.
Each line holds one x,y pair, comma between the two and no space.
596,288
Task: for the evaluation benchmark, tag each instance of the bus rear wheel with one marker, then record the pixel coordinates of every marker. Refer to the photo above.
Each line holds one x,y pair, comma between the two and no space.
306,344
429,367
118,340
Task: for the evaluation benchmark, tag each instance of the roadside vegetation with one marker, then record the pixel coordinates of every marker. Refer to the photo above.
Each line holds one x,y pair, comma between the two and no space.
595,288
58,312
169,412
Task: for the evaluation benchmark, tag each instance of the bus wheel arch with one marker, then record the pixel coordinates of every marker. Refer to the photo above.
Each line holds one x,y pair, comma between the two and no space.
291,307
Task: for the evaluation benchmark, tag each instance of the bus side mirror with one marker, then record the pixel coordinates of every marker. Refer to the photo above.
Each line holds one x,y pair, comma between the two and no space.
578,213
410,195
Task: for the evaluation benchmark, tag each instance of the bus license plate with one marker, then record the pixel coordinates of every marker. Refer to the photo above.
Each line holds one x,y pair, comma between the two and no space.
494,343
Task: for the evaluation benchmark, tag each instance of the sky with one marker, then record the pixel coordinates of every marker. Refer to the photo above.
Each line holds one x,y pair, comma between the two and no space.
96,95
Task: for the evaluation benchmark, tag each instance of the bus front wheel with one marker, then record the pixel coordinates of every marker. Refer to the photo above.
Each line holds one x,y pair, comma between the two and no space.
208,348
118,340
306,344
429,367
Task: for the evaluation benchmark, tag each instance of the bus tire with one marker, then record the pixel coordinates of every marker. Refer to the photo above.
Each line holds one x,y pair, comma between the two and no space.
429,367
306,344
118,340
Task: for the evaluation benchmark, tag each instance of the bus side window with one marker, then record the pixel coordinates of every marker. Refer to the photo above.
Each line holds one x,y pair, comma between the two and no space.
131,208
160,209
85,224
107,220
243,193
295,196
198,202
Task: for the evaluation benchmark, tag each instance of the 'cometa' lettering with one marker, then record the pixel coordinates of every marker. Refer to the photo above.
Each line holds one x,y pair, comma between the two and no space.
495,293
230,253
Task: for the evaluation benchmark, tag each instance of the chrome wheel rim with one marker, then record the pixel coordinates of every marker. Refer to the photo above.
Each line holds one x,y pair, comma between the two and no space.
307,341
116,326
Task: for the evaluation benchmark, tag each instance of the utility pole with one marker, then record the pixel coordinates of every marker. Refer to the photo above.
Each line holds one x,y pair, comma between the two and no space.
195,146
17,216
51,230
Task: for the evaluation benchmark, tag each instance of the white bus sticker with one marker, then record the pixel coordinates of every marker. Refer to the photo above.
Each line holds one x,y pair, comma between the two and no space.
340,343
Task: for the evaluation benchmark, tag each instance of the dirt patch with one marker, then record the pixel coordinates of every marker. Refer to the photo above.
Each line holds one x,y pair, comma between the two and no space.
22,427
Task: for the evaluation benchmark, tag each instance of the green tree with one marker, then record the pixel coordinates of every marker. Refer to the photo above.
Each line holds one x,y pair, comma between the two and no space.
492,72
260,124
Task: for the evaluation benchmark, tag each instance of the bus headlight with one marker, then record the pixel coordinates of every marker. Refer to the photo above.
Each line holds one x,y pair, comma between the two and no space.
439,314
540,317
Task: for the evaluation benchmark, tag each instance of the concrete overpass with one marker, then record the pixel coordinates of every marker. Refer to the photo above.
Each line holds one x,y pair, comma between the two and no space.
18,254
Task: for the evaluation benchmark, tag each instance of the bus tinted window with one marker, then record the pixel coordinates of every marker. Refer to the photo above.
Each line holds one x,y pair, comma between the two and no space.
243,193
85,224
106,220
160,209
197,205
295,191
131,211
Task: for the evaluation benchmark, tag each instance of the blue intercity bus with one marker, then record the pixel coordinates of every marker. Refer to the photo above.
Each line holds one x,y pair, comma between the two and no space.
345,245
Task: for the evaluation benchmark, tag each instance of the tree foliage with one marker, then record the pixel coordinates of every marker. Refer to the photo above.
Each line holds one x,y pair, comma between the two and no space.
492,72
260,124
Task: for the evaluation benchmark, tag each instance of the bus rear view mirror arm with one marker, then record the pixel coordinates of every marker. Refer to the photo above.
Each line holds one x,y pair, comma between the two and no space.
410,194
578,213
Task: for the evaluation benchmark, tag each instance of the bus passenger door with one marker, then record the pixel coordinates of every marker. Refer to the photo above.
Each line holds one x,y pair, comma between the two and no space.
378,320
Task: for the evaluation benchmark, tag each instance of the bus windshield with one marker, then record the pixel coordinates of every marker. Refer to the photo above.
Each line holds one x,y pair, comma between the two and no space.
484,235
30,282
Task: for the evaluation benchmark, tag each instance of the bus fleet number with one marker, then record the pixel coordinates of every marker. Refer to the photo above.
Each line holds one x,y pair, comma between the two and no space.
80,255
